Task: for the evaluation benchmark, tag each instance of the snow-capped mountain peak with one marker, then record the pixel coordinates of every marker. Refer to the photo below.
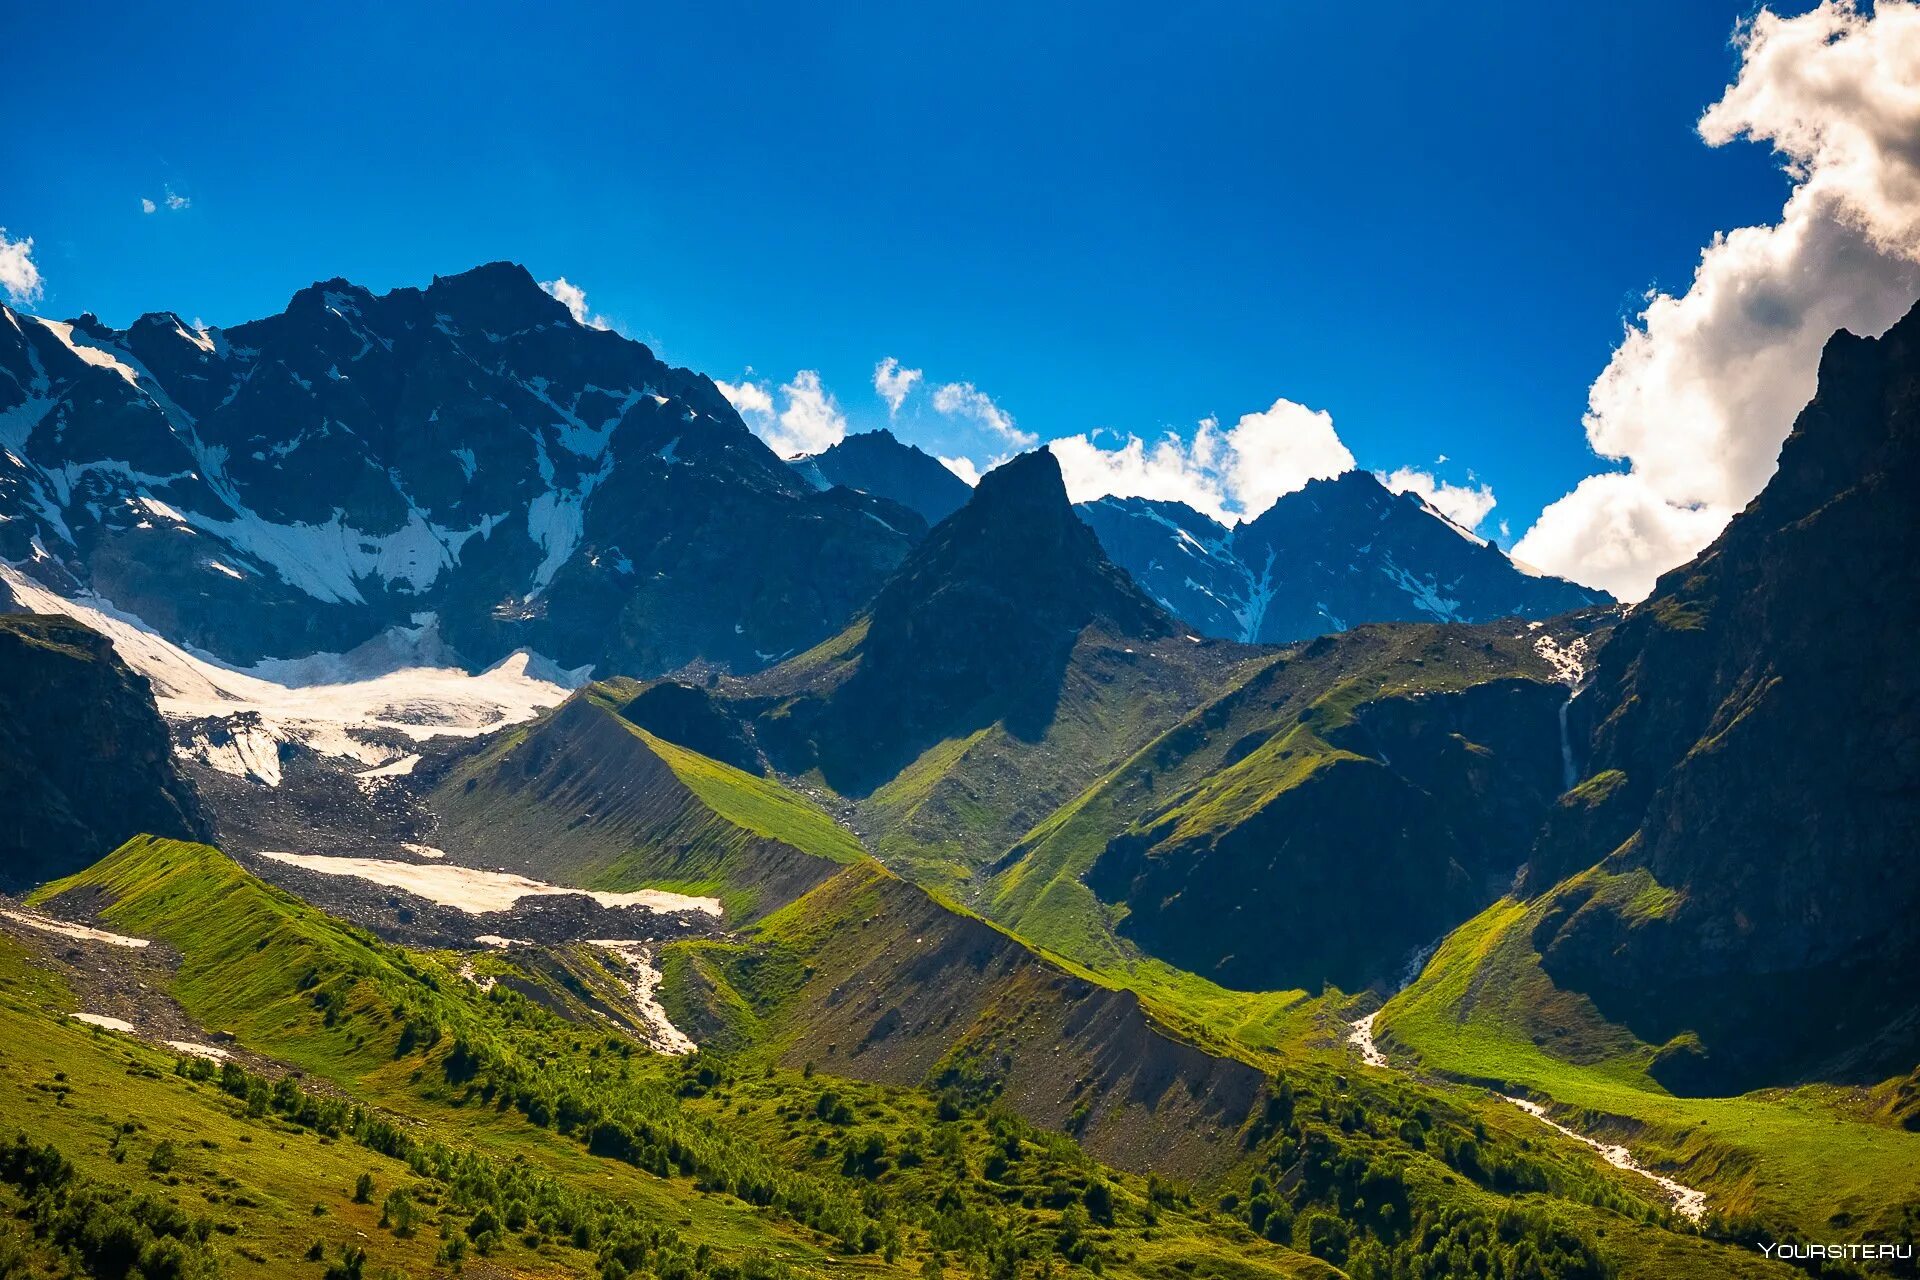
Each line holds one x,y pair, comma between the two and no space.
303,482
1330,556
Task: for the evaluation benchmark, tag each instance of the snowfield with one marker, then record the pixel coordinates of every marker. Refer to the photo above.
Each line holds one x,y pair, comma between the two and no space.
331,704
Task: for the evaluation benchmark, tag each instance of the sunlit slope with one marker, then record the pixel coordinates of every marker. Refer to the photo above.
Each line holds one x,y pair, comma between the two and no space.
586,797
1391,774
1485,1010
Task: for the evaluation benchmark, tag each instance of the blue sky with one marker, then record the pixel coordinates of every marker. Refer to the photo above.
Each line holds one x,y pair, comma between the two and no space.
1430,222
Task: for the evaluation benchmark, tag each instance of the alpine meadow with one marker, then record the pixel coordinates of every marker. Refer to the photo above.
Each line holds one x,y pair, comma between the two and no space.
1124,643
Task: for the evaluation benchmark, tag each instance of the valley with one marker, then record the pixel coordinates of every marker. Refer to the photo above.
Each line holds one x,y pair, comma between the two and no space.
984,915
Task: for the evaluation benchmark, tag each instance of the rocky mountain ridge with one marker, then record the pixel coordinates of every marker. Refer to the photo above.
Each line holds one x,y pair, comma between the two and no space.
1333,555
304,482
1749,795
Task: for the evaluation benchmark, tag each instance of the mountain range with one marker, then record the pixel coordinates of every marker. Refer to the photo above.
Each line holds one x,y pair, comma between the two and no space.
1335,554
470,458
466,455
474,808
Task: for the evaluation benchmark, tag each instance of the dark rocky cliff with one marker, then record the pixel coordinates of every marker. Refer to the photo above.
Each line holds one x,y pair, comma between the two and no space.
85,760
1756,751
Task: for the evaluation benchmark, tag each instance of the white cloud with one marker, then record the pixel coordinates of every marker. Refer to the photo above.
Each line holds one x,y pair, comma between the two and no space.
965,468
574,299
18,274
1232,474
964,400
1170,469
746,396
173,200
1464,504
809,422
1278,451
1617,533
894,383
1706,385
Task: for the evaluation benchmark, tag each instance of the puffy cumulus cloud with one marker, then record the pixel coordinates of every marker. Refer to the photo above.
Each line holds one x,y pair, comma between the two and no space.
965,468
1705,386
18,274
807,421
1464,504
147,206
1100,463
1230,474
177,202
574,299
894,383
1279,450
1619,532
966,401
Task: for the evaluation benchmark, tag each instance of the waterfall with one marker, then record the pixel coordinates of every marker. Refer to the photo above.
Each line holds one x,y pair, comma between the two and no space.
1566,745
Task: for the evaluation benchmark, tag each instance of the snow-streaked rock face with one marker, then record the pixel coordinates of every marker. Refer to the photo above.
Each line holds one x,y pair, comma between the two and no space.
304,483
1331,556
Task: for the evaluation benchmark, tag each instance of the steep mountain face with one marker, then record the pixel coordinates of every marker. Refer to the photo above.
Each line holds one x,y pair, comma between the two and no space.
1750,790
878,463
84,757
975,627
1183,559
870,977
1003,668
1331,556
303,482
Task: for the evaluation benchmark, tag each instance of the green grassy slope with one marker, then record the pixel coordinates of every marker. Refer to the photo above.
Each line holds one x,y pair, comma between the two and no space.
1271,739
1818,1158
257,961
583,796
843,1166
960,804
588,1127
870,976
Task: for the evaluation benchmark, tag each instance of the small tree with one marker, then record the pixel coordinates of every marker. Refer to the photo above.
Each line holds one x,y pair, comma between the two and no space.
397,1213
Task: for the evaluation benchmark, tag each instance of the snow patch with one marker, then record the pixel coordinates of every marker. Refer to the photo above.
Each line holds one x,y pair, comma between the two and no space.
79,932
394,769
326,703
478,892
90,351
102,1020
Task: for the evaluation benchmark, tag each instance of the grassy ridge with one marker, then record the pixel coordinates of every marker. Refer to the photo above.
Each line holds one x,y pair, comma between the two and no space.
963,801
759,805
1258,739
260,963
586,797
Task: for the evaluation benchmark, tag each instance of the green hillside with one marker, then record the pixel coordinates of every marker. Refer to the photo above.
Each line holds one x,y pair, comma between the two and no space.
1813,1156
1383,713
584,796
505,1139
